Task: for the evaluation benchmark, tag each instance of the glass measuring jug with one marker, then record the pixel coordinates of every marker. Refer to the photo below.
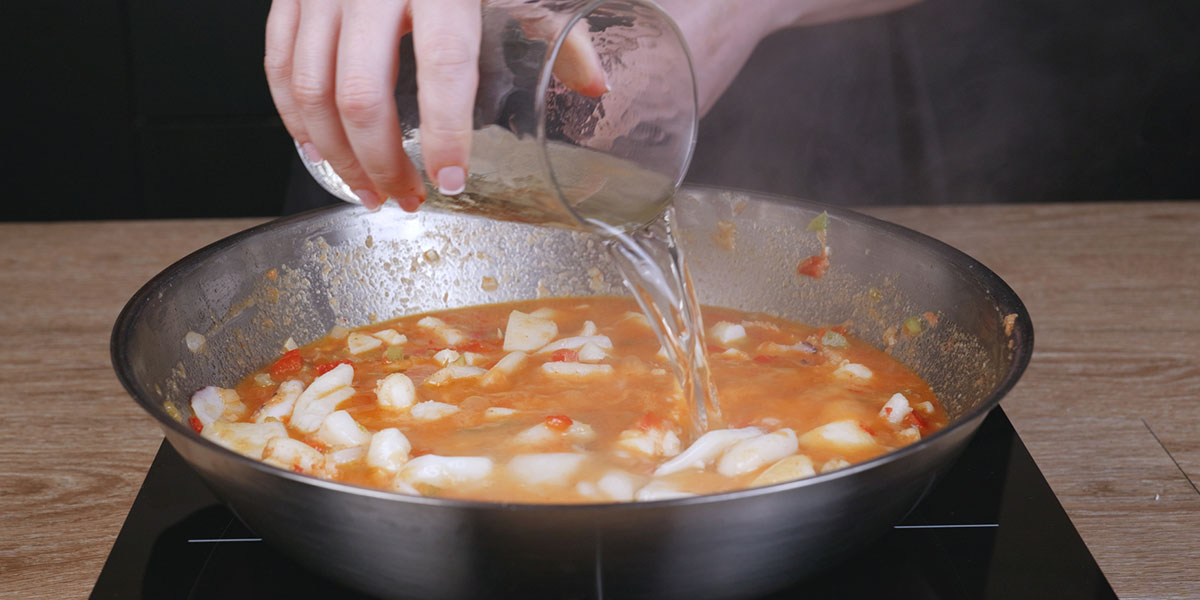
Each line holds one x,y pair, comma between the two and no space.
544,153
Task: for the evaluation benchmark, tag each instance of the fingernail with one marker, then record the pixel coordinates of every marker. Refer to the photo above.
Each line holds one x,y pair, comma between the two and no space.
409,203
452,180
369,200
311,152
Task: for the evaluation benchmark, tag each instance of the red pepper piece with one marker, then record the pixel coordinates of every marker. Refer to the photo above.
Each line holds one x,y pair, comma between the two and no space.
564,355
289,364
559,423
329,366
814,266
197,426
915,419
649,421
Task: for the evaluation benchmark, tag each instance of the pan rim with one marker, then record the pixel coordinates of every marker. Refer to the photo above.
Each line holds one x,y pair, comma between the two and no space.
1002,295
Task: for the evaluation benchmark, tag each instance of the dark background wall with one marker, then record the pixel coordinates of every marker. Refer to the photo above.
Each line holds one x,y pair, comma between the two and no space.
142,108
139,108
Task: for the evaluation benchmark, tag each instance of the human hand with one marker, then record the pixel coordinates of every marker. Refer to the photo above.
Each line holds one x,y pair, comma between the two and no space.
331,67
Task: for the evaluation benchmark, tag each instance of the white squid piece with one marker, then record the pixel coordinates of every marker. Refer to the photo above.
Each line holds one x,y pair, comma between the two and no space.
706,449
396,391
358,343
446,471
498,412
590,352
851,370
541,435
618,485
431,410
544,312
503,369
575,369
322,397
448,334
389,450
589,328
839,435
446,356
726,333
792,467
552,468
212,403
751,454
895,409
527,332
575,343
339,430
453,372
660,490
909,435
635,317
244,438
294,455
391,337
834,464
653,442
280,406
345,455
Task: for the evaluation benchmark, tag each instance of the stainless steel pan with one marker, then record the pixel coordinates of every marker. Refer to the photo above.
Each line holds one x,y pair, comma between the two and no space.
299,276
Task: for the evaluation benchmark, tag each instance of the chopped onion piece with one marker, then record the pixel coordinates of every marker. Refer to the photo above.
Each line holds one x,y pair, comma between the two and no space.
358,343
554,468
391,336
786,469
574,369
193,341
389,450
527,332
849,369
726,333
432,411
453,372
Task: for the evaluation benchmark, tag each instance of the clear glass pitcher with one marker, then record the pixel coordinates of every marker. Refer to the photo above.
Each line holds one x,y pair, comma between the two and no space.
543,153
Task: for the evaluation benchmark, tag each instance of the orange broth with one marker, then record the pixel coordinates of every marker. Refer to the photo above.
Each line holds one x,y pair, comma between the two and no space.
794,384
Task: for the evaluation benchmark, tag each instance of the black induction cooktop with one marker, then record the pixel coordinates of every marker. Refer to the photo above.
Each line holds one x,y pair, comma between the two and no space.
990,529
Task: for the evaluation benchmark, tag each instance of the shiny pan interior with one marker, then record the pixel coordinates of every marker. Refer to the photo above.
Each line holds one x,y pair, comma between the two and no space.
301,275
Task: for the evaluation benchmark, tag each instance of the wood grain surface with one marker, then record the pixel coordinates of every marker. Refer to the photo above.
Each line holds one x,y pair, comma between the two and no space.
1109,408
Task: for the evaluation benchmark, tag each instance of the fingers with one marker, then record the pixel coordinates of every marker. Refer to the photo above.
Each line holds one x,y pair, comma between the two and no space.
313,80
578,65
446,35
365,83
282,23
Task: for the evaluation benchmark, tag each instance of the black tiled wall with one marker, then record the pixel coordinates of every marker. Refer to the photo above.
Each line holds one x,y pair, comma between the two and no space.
158,108
139,108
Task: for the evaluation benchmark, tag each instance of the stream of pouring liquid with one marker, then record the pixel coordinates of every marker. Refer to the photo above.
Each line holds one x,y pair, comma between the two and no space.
614,190
653,267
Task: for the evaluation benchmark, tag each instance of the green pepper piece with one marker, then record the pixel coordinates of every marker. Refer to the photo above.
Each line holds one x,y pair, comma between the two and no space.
834,339
820,222
913,325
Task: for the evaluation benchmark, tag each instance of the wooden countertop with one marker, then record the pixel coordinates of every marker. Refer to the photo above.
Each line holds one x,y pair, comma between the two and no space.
1109,408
